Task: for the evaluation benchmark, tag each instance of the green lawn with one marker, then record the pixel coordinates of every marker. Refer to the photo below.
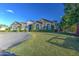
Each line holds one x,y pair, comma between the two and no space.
47,44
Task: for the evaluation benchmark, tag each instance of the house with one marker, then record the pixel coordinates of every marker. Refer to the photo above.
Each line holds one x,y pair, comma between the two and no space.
15,26
29,25
37,26
73,29
44,25
3,27
23,26
77,28
40,25
20,26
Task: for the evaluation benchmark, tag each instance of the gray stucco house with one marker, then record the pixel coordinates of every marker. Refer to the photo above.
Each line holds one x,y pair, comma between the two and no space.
44,24
40,25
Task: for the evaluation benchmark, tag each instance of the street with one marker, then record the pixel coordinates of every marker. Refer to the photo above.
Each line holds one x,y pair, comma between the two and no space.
9,39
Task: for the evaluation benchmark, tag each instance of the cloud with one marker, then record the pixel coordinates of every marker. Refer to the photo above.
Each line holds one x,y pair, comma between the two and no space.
10,11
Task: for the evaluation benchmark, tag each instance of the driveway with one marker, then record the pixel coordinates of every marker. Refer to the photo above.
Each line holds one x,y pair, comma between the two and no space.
8,39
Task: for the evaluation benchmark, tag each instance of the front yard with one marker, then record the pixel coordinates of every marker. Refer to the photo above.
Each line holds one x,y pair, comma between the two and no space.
47,44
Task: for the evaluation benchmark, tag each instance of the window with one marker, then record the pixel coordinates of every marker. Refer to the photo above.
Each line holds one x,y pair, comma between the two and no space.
48,27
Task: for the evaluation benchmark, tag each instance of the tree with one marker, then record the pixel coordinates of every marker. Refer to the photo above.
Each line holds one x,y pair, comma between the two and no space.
71,16
25,30
8,29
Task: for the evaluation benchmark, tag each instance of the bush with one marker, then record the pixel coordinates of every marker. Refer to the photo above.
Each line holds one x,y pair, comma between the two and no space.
41,31
14,31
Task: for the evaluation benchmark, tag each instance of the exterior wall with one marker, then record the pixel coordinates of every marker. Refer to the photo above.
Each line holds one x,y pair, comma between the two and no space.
23,26
35,26
29,28
15,26
42,25
78,28
46,24
74,28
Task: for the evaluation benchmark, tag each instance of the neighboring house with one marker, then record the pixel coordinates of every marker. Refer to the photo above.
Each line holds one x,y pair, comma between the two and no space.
73,29
3,27
15,26
78,28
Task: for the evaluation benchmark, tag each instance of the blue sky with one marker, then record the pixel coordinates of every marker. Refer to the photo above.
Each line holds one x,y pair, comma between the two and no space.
30,11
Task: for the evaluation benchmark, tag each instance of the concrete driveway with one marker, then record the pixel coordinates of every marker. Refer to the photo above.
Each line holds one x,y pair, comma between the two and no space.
8,39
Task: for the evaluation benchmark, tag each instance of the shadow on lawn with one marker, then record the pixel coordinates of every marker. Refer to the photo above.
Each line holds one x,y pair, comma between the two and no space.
69,43
71,34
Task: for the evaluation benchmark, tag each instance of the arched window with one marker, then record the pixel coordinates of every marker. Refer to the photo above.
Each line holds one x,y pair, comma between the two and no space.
48,27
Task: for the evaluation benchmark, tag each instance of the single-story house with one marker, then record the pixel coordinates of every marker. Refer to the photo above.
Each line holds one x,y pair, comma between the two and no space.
42,24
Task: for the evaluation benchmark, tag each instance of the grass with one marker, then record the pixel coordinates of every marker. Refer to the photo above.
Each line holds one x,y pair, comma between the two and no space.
47,44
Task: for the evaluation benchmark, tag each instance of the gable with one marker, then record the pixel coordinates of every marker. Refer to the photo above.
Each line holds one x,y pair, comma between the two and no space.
45,20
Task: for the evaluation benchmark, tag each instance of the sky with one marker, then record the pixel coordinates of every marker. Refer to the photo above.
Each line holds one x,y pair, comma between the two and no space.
23,12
